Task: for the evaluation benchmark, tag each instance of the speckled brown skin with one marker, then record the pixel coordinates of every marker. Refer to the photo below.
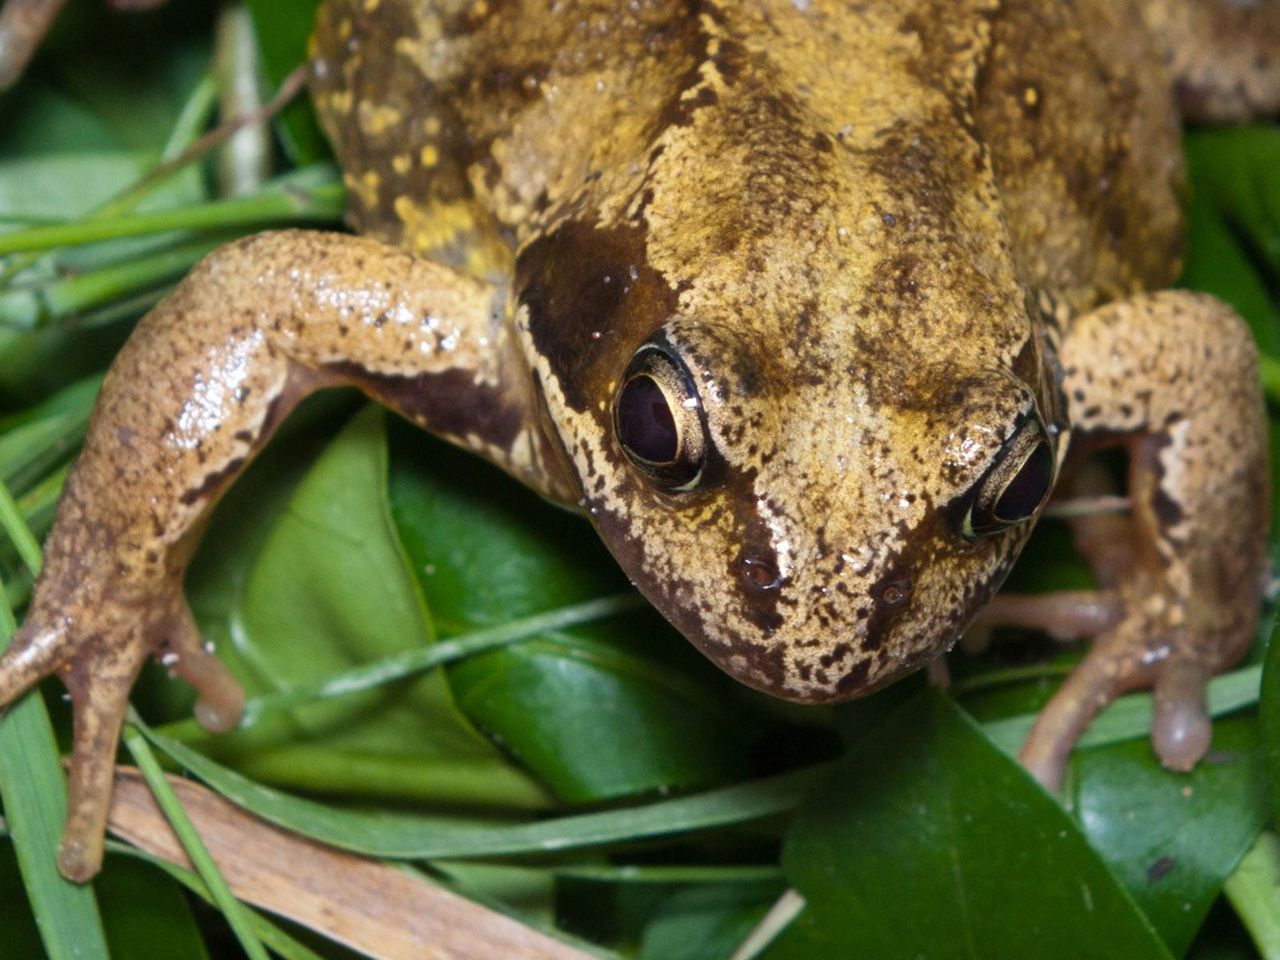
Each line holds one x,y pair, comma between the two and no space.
1224,55
1188,575
201,385
885,243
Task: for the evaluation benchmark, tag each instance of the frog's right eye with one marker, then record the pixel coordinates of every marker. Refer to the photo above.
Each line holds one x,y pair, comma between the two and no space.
657,418
1016,485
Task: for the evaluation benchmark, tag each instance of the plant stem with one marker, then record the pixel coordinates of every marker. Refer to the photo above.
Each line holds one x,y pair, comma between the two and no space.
1254,892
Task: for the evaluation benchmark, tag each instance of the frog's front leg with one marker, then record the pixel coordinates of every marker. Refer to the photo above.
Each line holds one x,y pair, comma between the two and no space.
201,385
1173,376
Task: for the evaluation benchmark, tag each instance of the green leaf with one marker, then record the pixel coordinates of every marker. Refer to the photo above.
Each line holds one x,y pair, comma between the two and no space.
104,80
928,842
51,187
596,712
706,922
329,590
1252,891
407,836
1173,839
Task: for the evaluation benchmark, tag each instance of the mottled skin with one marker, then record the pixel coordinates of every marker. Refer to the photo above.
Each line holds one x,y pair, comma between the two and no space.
885,260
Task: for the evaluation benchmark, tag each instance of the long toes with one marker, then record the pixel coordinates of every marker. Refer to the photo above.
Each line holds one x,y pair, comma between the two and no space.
1090,687
99,683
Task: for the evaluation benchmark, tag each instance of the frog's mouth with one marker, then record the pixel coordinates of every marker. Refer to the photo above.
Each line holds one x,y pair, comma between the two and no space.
818,629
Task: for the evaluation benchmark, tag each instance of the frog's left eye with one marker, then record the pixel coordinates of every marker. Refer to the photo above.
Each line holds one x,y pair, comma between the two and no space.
657,417
1015,486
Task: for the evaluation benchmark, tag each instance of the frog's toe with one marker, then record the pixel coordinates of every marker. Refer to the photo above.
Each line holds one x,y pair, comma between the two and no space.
1181,728
36,651
98,654
99,680
1095,682
1137,653
1066,616
221,698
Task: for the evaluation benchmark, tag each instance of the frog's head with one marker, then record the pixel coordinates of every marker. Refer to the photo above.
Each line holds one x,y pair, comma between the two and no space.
817,514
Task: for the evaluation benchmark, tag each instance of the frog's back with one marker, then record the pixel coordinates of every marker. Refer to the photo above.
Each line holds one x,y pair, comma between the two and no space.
462,124
1077,111
467,128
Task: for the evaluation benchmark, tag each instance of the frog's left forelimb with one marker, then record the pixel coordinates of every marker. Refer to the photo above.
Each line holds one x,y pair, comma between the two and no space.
1198,481
200,387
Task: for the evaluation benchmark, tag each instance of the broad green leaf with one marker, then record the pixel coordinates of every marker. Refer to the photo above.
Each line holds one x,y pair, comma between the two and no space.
330,590
1173,839
927,842
601,711
1252,889
131,70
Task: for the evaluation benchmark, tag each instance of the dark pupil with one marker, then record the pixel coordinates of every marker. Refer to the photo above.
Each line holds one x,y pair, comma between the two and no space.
1024,492
645,424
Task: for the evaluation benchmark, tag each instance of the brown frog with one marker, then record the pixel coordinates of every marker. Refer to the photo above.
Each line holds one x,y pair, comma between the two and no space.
803,302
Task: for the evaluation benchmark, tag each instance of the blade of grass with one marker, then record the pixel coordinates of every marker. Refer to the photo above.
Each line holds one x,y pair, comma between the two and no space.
1254,892
288,199
34,795
401,665
664,873
788,906
28,307
1130,716
232,909
403,836
20,535
192,119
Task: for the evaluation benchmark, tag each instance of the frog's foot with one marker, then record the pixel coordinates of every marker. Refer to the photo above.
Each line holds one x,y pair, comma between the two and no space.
1172,377
1065,616
1141,651
98,654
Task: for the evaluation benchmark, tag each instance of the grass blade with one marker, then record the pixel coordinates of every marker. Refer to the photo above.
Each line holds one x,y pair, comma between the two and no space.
232,909
1252,890
402,836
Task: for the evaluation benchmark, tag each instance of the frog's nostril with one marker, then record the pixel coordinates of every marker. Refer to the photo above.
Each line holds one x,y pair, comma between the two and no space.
760,574
896,591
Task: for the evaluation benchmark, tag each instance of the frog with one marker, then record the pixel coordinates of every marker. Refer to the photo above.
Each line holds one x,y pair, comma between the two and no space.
808,306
